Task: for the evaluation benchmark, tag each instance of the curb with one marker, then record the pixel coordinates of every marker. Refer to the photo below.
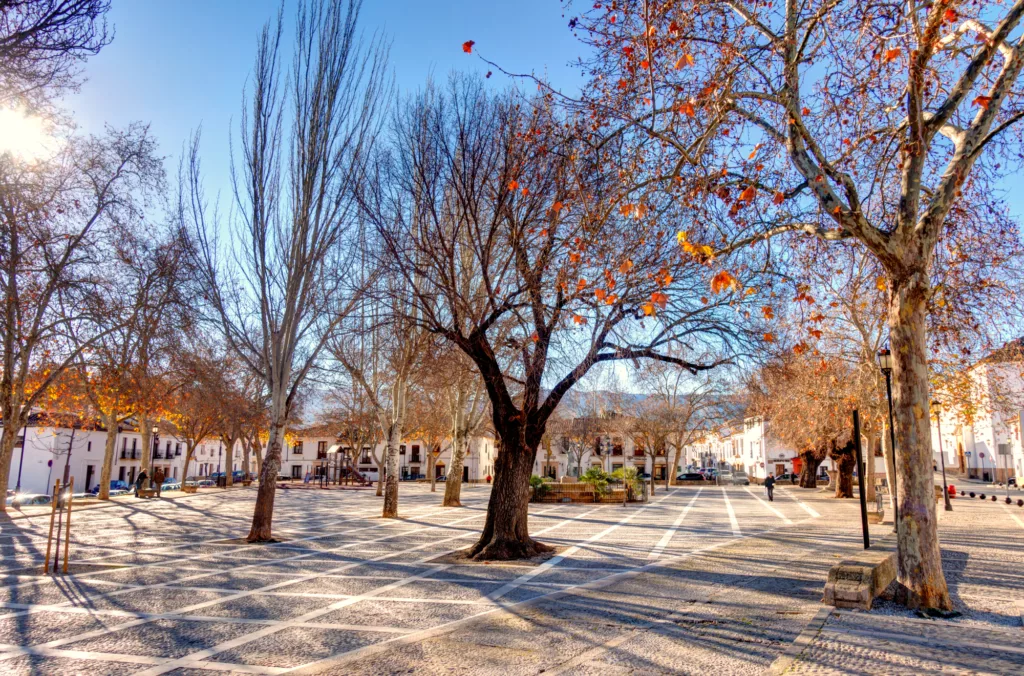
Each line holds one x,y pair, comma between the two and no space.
794,650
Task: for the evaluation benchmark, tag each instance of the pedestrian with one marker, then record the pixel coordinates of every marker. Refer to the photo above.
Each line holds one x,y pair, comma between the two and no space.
140,481
158,479
769,485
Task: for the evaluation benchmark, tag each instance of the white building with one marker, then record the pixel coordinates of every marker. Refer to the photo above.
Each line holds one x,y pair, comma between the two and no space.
986,443
309,448
610,451
43,450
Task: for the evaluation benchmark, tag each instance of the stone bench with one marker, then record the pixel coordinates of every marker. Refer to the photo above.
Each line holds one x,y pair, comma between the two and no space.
146,493
857,581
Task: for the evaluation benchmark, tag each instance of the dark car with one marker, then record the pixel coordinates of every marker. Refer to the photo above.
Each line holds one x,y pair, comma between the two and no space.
690,476
115,485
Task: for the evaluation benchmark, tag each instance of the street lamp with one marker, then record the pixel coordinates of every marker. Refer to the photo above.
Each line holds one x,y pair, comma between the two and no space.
885,366
937,412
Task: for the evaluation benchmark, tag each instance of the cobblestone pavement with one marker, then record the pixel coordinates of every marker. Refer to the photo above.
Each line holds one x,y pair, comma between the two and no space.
697,580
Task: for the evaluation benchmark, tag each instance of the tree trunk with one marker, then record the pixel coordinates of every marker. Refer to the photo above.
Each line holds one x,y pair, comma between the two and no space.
263,513
431,464
7,441
380,476
506,534
245,460
890,473
670,478
809,470
147,447
229,460
391,473
109,449
845,462
920,561
453,484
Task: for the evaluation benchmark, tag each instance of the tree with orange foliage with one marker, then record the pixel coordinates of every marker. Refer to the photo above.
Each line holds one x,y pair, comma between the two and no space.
843,120
519,245
57,215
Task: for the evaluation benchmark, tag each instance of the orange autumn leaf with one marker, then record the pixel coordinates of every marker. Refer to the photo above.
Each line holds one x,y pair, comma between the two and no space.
611,299
574,258
600,294
892,54
467,46
950,15
748,194
769,337
687,109
779,198
556,207
513,185
582,284
768,312
660,299
626,266
648,309
722,281
579,320
645,64
880,283
814,332
534,337
683,61
983,101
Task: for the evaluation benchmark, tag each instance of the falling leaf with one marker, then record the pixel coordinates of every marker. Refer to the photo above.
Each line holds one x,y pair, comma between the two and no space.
779,198
467,46
983,101
723,280
684,60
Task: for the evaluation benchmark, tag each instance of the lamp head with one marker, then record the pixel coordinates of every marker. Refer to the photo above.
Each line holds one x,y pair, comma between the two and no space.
885,361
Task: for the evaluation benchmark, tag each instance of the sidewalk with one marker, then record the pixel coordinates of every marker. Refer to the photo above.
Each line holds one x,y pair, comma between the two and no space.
983,559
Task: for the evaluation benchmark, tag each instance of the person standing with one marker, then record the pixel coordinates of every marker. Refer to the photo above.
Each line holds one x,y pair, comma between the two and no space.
769,485
140,481
158,479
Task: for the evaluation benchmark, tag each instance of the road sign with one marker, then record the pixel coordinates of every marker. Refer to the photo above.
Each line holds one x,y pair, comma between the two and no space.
968,454
1004,449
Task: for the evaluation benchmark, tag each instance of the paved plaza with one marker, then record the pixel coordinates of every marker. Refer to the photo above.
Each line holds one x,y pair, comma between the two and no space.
698,580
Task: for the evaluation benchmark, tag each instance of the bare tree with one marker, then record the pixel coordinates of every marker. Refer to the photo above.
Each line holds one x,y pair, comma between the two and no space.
283,286
54,216
567,269
43,43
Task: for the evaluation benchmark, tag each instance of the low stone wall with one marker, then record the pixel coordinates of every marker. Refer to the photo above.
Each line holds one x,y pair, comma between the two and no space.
857,581
578,492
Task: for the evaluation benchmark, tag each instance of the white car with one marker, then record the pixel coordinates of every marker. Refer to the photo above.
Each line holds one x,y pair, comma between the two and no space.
24,499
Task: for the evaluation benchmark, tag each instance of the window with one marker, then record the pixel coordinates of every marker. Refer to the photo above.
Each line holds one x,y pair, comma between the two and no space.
321,449
297,448
415,453
88,447
401,449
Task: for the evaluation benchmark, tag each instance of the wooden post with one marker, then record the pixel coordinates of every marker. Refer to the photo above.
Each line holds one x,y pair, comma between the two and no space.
67,532
53,514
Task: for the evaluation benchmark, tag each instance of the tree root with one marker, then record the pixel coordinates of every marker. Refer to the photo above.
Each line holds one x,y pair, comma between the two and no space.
508,550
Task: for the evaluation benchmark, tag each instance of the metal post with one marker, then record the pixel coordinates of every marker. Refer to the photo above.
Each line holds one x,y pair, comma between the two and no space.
67,534
860,479
942,463
892,448
53,515
21,461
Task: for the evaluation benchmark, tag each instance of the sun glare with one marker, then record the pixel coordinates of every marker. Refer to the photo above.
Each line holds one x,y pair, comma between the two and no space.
24,136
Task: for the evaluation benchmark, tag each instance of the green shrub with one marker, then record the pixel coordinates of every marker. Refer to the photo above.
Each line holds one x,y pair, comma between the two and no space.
597,478
630,478
540,486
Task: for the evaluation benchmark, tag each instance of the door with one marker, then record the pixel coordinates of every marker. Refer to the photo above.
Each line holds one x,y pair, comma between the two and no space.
89,471
465,474
131,475
120,473
296,471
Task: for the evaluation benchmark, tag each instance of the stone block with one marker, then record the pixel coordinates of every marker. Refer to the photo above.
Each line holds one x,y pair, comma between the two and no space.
856,582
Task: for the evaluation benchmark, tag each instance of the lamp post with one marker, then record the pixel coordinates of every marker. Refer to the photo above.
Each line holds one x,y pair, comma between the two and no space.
937,412
885,366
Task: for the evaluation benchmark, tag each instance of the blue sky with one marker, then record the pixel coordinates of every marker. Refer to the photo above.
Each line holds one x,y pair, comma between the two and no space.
180,63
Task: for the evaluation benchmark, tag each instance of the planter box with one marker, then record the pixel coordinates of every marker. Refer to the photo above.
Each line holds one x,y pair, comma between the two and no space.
247,482
189,489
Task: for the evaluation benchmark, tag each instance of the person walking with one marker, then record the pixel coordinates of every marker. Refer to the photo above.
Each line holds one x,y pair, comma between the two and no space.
769,485
158,479
140,481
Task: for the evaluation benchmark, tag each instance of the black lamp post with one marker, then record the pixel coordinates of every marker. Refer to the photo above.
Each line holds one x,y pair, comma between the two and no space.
885,366
937,412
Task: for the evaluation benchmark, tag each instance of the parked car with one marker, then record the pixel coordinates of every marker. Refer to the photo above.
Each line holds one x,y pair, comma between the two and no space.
740,479
171,485
121,487
26,499
690,476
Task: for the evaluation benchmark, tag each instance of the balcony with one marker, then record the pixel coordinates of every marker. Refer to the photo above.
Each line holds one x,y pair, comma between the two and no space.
132,454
